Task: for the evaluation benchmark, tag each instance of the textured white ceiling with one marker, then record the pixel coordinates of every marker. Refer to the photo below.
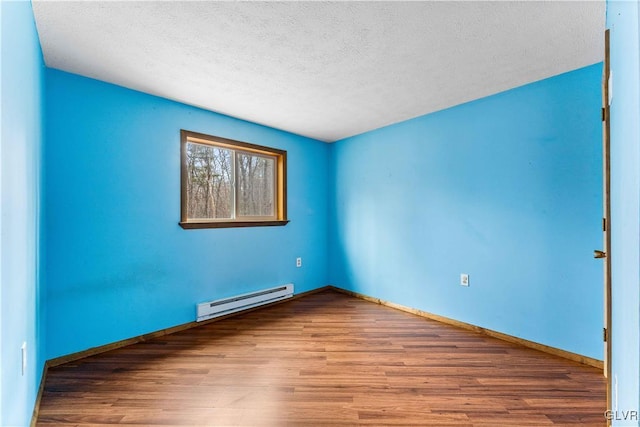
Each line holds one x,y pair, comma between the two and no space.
326,70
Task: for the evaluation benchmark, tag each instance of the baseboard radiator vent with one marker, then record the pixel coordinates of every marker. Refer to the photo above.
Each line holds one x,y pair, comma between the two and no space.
221,307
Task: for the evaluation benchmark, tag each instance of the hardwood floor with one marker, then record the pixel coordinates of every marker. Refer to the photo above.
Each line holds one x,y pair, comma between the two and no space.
325,359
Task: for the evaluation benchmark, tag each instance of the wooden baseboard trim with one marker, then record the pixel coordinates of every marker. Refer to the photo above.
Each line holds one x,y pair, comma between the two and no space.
499,335
36,406
160,333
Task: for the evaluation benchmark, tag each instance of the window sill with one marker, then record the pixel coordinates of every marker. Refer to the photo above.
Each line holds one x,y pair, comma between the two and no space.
191,225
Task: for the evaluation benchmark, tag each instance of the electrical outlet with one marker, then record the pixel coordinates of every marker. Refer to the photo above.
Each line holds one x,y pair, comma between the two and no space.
24,357
464,279
298,262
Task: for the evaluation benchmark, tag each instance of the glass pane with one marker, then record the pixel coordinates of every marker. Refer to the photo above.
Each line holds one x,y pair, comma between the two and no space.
255,176
210,189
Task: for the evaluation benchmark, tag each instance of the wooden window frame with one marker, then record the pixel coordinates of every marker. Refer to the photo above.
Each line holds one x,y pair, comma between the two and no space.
280,170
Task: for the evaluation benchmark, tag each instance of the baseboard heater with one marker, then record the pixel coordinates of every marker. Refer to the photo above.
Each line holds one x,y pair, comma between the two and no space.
221,307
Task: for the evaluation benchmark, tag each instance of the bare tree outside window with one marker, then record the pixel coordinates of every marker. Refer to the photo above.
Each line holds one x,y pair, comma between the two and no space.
210,185
228,183
255,185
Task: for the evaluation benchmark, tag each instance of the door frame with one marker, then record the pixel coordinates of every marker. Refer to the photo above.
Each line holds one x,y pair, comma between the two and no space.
606,220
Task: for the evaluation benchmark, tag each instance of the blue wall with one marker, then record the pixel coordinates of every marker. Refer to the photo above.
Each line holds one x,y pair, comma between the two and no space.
623,21
20,151
505,188
118,264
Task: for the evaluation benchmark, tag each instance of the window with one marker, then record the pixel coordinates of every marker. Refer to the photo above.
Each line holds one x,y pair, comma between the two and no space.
226,183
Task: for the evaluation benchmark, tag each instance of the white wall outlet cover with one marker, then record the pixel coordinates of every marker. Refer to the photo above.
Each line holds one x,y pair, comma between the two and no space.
23,349
464,279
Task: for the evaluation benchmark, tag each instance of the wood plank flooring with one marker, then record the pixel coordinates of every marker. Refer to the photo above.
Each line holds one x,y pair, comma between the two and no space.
325,359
